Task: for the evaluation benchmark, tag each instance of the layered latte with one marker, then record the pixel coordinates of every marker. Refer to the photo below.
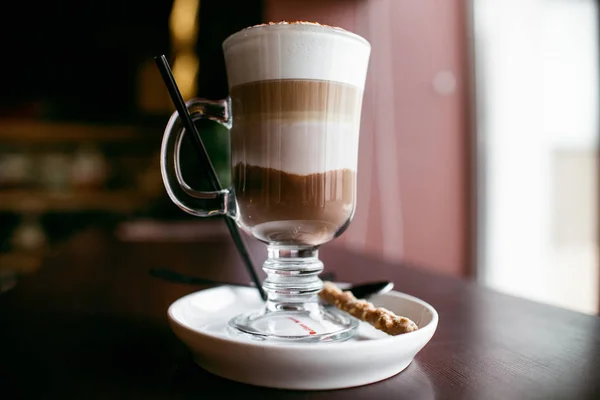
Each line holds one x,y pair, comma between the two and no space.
294,144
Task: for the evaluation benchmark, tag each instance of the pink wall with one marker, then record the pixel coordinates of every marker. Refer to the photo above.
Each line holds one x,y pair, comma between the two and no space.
413,160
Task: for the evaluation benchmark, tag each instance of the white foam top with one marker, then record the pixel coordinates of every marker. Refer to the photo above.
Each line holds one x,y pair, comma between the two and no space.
301,147
298,50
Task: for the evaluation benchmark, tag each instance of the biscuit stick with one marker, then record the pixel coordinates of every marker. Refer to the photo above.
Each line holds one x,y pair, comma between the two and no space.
380,318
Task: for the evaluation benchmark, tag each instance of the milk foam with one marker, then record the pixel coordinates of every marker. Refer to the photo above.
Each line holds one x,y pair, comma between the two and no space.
300,147
296,51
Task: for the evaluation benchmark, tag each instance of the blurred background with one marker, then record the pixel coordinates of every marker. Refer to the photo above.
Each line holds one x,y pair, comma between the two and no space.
479,137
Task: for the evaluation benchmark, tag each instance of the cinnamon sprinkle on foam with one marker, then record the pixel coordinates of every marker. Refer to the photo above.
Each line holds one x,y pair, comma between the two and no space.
293,23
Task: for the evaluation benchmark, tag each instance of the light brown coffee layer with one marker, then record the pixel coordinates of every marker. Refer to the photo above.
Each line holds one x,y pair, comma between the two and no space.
294,98
283,208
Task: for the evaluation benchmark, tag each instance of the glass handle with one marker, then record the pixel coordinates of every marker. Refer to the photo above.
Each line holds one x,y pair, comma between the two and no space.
195,202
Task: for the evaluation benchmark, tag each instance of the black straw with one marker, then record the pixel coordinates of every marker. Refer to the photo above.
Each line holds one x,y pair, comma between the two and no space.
169,80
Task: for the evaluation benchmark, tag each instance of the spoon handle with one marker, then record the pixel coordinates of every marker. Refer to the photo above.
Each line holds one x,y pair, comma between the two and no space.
364,290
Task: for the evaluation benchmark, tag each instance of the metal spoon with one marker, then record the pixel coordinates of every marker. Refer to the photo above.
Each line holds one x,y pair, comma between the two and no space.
361,291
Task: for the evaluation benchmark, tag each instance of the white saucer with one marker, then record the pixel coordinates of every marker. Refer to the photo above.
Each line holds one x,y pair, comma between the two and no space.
200,321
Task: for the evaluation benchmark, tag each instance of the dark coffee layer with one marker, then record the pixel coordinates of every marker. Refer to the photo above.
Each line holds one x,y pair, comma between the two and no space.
288,209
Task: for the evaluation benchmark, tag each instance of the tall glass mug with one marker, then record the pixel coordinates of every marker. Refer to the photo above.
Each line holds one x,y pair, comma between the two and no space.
294,113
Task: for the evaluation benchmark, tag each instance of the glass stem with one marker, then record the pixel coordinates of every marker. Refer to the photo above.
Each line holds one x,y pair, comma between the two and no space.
292,282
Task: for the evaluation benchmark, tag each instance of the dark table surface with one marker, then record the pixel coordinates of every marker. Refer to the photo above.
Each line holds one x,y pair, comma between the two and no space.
92,324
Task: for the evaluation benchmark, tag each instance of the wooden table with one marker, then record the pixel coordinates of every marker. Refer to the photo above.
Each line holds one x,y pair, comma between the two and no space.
92,324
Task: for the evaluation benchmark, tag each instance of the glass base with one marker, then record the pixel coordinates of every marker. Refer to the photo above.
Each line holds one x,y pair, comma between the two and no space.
316,324
292,312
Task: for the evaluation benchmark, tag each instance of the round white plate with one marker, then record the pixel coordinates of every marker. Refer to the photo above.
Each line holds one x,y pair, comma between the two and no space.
200,321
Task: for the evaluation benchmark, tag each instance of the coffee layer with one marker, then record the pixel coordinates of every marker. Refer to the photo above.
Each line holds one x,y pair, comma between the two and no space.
288,209
288,98
296,126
